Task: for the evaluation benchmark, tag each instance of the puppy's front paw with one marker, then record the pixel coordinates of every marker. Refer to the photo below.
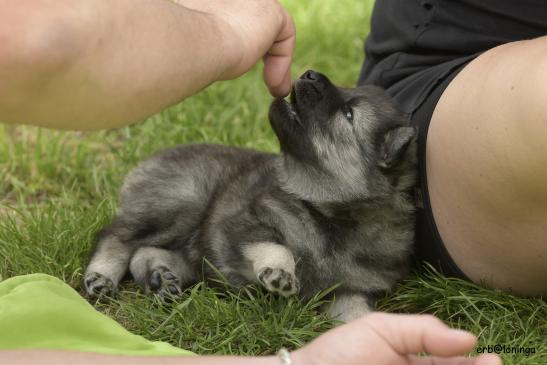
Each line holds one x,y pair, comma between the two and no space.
164,283
279,281
97,285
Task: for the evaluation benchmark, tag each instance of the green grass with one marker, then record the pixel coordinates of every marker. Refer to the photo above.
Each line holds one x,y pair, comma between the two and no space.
57,189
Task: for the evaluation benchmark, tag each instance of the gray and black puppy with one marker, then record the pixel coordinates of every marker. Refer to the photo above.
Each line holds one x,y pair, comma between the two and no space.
333,208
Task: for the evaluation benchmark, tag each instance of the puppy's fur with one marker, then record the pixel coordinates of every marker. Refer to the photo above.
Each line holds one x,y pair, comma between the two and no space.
333,208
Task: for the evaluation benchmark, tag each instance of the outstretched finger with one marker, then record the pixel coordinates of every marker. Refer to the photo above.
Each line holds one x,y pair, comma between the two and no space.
411,334
277,62
485,359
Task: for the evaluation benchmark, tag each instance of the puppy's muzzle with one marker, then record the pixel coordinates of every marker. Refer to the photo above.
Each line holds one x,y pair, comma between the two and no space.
311,87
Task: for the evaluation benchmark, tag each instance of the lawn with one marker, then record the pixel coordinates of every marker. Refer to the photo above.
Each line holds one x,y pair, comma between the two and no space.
58,188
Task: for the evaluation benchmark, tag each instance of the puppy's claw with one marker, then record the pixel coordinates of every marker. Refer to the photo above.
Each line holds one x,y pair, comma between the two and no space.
164,283
265,272
279,281
97,285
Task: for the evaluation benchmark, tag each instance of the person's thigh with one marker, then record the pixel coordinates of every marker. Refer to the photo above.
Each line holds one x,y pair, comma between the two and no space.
487,167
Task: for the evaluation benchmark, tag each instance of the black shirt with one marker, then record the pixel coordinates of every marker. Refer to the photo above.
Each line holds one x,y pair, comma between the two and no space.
414,44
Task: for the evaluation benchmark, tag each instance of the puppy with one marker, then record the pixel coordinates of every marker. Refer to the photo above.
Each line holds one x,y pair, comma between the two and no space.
334,207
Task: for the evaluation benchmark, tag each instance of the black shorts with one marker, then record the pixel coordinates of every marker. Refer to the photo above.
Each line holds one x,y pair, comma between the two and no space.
429,245
415,49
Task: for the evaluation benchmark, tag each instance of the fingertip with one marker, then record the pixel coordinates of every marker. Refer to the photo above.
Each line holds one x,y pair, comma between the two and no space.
277,90
445,341
464,335
285,87
462,341
278,93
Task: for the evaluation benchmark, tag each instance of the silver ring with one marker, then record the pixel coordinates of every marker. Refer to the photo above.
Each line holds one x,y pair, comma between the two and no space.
284,356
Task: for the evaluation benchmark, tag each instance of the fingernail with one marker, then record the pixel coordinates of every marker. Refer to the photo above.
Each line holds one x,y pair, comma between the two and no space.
462,333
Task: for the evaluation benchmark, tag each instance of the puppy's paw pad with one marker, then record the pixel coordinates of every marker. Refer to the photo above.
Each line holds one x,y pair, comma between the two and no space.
98,285
279,281
164,283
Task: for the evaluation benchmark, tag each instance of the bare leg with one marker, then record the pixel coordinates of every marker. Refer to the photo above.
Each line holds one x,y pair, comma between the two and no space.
160,271
487,167
273,266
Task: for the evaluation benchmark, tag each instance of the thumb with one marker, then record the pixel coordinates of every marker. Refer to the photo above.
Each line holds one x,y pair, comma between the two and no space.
410,334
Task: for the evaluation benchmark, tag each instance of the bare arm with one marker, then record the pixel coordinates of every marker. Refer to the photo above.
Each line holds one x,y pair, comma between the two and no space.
54,357
377,338
76,64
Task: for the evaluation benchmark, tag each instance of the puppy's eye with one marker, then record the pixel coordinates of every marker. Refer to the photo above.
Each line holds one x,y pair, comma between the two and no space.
348,113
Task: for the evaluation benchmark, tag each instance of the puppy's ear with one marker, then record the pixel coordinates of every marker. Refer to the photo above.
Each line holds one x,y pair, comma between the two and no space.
394,145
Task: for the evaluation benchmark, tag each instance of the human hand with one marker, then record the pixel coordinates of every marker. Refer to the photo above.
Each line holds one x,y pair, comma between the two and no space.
255,29
381,339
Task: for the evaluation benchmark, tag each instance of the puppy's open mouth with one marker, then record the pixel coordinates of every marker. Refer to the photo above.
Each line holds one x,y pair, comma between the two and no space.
291,105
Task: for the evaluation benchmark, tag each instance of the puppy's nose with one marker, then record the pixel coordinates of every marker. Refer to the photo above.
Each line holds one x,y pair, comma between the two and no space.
310,75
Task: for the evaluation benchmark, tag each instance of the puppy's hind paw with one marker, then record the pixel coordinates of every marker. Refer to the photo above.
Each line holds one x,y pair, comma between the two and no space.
164,283
279,281
97,285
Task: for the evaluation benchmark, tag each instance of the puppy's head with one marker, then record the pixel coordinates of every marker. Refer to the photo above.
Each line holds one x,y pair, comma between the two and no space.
342,144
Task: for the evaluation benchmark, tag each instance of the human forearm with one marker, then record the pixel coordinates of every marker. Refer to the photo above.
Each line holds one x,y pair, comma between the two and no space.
378,338
57,357
105,63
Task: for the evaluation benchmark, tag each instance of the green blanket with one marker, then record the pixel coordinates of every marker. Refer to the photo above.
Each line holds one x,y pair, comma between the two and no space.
41,312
